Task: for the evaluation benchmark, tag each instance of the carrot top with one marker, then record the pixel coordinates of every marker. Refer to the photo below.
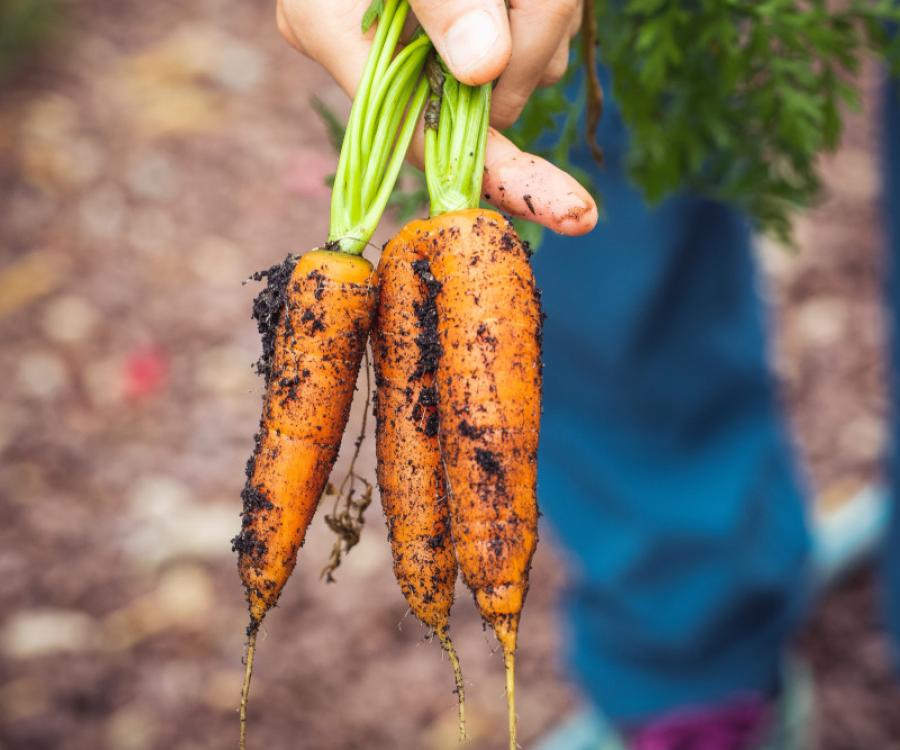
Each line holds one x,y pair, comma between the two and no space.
383,119
456,129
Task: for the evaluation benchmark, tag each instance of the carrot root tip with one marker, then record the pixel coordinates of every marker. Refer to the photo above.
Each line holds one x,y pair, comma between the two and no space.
460,688
509,661
252,631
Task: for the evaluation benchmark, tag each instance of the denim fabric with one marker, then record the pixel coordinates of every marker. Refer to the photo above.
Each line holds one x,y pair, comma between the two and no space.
665,469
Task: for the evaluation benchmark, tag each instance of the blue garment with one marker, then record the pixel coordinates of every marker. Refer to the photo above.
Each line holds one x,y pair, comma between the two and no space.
665,468
892,211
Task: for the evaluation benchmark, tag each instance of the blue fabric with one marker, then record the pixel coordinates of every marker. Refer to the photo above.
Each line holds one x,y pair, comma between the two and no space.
665,470
892,211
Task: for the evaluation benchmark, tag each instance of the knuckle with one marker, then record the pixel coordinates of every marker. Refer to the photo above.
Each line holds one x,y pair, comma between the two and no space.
556,68
552,76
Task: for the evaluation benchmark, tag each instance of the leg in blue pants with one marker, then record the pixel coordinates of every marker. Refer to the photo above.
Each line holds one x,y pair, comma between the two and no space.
892,209
665,470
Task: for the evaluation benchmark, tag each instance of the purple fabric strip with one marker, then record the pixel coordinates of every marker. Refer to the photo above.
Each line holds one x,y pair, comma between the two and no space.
739,724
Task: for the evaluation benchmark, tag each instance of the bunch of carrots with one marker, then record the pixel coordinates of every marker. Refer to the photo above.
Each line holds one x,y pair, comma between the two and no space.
454,318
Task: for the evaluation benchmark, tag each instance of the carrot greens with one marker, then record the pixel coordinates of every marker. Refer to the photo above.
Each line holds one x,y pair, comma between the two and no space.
382,122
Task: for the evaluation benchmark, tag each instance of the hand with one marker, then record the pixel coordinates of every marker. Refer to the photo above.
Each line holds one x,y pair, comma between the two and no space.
479,40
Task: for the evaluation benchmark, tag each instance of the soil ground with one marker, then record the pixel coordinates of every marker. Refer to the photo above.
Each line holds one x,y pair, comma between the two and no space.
150,160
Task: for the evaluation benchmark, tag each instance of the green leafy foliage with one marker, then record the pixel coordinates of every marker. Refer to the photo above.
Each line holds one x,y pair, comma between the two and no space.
333,126
24,25
734,99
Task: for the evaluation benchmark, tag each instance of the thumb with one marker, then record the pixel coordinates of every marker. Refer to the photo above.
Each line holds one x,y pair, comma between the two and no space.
471,36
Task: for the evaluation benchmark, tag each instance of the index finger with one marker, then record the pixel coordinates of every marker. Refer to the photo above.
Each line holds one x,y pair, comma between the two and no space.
532,188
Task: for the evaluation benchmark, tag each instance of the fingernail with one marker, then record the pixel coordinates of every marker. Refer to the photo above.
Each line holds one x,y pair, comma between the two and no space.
470,39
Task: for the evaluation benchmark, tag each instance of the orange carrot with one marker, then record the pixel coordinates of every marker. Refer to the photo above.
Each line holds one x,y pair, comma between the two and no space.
316,352
315,316
410,472
489,403
489,374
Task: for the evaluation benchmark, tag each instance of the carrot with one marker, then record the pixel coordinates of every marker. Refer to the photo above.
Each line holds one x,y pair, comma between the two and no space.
315,317
489,388
317,348
410,472
311,363
488,376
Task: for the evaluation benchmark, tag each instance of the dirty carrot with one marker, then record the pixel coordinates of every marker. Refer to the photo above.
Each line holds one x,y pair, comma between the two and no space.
315,315
410,471
488,376
489,385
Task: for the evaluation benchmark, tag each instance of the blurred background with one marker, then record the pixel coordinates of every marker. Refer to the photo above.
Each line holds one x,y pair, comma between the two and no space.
153,156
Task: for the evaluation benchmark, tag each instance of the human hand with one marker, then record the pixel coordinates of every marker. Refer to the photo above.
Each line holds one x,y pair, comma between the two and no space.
480,41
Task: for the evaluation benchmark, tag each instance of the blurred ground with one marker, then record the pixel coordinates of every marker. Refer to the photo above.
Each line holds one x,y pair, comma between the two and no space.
162,153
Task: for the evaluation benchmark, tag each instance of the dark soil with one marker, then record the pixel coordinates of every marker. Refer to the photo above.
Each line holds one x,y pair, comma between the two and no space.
268,309
427,320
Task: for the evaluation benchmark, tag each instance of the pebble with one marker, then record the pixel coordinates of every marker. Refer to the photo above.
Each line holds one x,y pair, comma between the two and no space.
185,593
864,438
822,321
41,375
103,212
183,598
224,371
777,261
130,728
218,261
238,67
40,632
46,149
166,523
151,231
158,493
152,176
68,162
48,117
69,319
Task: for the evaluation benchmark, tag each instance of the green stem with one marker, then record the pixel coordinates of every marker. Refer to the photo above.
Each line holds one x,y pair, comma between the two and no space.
397,87
394,27
476,171
339,207
366,228
371,155
450,94
455,149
